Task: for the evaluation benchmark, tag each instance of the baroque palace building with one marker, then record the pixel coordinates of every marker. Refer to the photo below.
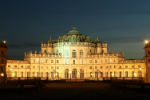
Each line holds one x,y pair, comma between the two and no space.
75,56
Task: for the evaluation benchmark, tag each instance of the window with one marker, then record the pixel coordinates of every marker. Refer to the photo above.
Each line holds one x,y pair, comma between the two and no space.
101,67
57,61
132,73
51,61
57,67
95,61
73,54
15,66
41,74
133,66
81,53
139,74
110,60
91,74
81,61
22,66
90,67
66,61
74,62
120,74
21,74
126,74
139,66
101,73
126,66
90,61
120,67
106,74
95,67
33,60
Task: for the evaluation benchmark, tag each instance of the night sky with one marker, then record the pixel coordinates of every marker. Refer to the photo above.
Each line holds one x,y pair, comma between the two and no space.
124,24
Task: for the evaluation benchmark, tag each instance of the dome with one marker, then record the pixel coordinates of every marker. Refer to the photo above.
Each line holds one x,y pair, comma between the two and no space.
74,31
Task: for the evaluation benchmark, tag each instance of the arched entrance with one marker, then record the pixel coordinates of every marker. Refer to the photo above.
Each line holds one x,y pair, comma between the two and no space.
66,73
81,74
74,73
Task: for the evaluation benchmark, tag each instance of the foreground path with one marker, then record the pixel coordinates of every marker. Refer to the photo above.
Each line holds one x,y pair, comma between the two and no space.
76,91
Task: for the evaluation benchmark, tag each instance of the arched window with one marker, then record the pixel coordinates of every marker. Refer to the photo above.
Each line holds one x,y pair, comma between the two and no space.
120,74
132,73
74,54
66,73
81,74
139,74
74,62
81,53
74,73
126,74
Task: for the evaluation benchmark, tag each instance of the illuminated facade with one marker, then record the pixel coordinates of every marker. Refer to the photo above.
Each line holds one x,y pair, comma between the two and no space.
75,56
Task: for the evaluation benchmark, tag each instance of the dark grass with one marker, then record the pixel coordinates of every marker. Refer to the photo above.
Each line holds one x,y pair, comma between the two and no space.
76,91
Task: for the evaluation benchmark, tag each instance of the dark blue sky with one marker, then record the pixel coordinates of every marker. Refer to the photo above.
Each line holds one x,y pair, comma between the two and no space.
124,24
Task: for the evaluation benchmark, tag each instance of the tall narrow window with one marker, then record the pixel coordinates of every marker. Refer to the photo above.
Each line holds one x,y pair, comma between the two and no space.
126,74
81,53
74,62
74,54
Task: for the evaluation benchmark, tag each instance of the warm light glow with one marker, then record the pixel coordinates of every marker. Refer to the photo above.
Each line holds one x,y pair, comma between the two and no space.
146,41
4,41
2,74
140,68
135,74
13,74
112,74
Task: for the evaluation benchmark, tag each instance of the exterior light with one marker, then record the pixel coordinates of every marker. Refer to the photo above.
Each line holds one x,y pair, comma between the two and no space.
69,72
146,41
13,74
4,41
112,74
2,74
11,69
135,74
140,68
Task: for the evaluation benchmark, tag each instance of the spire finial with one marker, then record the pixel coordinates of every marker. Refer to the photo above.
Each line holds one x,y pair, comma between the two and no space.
74,28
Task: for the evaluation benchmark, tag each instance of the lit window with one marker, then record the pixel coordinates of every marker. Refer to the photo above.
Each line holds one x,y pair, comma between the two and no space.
90,67
110,60
91,75
66,61
73,54
51,61
57,61
81,61
95,61
90,61
81,53
133,66
74,62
